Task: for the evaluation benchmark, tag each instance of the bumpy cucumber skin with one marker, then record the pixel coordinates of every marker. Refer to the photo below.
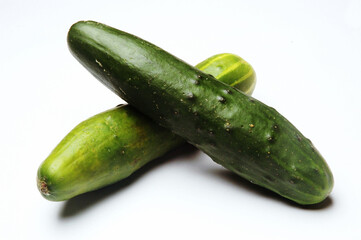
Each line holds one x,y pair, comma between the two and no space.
235,130
110,146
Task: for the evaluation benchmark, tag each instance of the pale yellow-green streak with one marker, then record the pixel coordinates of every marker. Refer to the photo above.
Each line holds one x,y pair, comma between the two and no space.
250,72
213,59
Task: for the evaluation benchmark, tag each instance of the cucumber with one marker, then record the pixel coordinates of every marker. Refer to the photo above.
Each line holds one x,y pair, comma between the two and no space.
219,66
110,146
235,130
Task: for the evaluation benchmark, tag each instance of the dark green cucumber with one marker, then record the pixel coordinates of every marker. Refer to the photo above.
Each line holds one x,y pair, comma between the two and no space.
110,146
235,130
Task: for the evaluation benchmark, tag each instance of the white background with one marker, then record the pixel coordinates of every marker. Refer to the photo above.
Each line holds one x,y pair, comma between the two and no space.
307,56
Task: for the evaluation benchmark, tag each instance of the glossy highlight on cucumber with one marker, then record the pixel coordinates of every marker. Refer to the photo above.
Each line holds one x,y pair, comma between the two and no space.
235,130
111,145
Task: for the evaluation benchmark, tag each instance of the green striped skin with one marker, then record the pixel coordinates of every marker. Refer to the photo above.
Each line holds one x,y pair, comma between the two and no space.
110,146
239,66
235,130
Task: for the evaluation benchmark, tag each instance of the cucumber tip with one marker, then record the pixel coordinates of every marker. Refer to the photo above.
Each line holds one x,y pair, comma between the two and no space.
43,187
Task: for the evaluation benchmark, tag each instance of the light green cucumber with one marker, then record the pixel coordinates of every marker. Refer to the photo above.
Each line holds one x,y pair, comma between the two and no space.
110,146
235,130
218,65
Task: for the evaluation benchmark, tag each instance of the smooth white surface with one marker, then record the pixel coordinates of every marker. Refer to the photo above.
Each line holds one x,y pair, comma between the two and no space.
307,56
